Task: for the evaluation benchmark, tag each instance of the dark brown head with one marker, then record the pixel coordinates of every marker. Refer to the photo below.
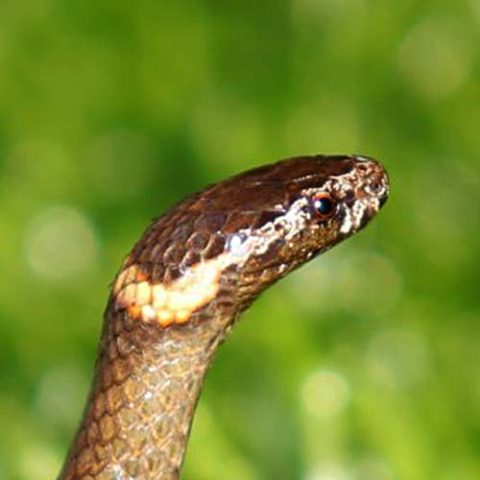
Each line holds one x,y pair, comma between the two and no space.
237,237
293,210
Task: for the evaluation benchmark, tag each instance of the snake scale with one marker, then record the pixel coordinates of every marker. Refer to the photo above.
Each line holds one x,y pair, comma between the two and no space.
181,289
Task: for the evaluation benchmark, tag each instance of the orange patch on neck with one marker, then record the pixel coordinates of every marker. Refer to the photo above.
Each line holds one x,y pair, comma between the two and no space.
173,303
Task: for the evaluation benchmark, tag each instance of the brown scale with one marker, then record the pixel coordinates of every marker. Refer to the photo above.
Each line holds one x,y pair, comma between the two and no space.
182,287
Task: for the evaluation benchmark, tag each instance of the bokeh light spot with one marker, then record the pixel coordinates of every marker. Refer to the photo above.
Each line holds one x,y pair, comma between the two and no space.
397,359
325,393
60,244
38,462
328,472
373,469
435,58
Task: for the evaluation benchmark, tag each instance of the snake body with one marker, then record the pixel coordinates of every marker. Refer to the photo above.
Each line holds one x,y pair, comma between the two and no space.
180,290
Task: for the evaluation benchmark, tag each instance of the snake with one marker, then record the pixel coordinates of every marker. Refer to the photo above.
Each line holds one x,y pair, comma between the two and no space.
181,289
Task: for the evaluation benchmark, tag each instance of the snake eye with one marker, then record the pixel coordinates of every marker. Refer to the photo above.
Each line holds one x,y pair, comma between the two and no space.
323,205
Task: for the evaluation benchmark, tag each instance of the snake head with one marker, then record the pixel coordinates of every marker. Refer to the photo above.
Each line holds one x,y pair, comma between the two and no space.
301,208
219,248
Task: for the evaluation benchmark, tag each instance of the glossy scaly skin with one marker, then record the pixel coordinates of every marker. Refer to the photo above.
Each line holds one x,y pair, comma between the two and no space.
181,289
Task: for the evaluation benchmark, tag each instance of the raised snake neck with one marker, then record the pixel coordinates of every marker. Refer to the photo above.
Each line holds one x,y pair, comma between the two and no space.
180,290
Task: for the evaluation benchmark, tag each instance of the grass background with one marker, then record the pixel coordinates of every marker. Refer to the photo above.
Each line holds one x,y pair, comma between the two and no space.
363,365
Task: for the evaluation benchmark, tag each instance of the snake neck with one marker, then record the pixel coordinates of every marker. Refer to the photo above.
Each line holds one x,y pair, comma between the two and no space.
141,406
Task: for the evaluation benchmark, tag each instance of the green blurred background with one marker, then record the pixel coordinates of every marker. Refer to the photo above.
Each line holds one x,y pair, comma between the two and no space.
365,364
